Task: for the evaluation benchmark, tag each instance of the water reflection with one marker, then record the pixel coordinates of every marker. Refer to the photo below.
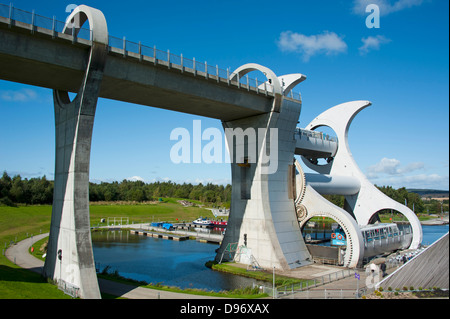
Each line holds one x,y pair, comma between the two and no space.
156,260
180,264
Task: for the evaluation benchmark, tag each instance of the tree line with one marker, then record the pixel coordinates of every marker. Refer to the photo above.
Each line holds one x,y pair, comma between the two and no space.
401,195
33,191
139,191
16,190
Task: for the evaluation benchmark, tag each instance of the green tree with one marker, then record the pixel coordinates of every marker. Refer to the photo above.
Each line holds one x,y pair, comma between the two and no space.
137,194
5,185
17,191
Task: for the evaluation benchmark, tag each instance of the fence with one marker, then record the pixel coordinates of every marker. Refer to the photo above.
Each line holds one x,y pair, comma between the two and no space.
328,294
113,221
69,289
303,289
142,52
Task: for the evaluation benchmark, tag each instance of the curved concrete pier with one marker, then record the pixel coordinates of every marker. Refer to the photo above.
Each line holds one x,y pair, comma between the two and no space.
70,258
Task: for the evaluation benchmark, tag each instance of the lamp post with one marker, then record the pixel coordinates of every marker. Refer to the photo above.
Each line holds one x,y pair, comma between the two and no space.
273,285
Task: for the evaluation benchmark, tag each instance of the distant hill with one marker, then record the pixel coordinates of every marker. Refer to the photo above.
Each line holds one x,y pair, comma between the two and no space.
433,193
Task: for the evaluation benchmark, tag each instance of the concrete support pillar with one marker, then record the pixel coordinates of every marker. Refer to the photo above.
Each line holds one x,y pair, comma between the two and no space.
262,215
70,259
70,236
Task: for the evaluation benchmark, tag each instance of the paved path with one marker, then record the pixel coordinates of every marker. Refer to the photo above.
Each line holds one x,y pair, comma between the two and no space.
436,221
19,254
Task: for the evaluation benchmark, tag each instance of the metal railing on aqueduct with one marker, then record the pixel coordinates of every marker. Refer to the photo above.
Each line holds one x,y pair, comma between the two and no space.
143,52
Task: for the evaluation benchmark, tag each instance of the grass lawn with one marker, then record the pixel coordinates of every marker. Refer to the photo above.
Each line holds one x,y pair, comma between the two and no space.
15,282
169,210
233,268
18,223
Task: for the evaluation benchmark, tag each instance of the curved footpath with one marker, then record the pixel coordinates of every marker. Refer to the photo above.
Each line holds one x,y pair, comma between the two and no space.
444,220
19,255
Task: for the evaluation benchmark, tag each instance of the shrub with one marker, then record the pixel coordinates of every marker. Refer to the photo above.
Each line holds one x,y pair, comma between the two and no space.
105,270
210,263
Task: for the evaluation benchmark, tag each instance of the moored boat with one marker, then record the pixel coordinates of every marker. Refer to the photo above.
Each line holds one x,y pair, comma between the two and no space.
220,223
203,222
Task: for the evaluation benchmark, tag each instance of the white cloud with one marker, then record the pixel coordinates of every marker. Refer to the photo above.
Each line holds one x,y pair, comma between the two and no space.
372,43
431,181
328,43
23,95
385,166
135,179
386,6
390,171
392,166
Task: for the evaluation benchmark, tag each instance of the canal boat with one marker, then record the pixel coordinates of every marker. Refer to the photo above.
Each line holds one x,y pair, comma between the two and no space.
338,237
201,221
220,223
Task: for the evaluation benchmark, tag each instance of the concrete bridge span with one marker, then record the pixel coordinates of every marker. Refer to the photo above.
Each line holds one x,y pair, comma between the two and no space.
57,62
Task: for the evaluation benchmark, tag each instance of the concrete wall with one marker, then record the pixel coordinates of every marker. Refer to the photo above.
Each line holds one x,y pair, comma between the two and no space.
427,270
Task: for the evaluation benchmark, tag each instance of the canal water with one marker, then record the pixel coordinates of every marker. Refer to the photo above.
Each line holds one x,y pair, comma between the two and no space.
157,260
178,263
433,233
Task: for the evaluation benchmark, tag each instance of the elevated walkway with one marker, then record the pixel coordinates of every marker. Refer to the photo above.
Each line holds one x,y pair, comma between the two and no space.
35,45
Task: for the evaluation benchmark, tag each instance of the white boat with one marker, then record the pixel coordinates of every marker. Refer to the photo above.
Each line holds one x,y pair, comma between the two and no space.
203,222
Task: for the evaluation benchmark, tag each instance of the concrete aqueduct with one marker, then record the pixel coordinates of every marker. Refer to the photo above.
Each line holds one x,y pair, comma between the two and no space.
272,198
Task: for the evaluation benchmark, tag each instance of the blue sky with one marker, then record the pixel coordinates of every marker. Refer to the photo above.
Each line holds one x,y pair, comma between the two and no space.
401,67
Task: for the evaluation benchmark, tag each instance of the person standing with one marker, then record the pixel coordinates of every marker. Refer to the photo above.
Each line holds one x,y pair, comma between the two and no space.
383,269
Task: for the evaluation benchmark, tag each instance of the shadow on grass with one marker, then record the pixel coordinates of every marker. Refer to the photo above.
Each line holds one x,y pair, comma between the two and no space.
18,274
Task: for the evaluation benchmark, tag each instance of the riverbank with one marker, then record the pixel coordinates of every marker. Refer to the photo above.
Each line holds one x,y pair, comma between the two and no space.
120,287
261,275
19,223
444,220
23,221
